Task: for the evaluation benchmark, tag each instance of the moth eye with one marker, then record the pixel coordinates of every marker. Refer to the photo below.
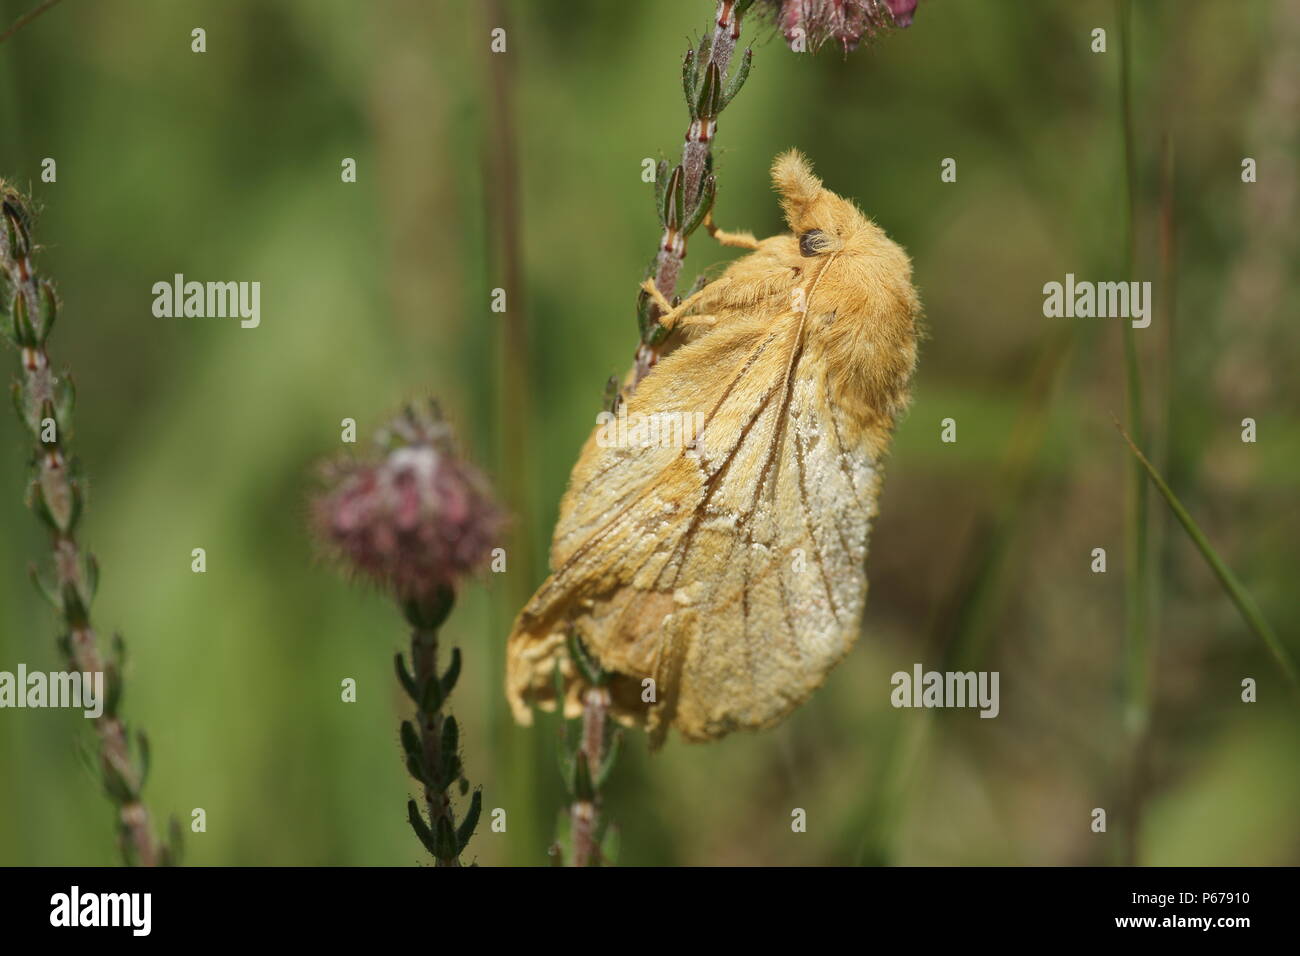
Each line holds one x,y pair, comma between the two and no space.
812,243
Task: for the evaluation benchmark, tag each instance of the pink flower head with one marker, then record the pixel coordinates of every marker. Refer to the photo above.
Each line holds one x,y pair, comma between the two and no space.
417,520
807,24
902,11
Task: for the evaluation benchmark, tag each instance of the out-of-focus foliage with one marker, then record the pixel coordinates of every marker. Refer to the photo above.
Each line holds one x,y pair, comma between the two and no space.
196,433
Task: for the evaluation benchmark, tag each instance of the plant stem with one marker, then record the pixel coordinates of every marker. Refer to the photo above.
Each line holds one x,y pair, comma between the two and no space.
504,218
424,657
585,808
696,151
1137,650
45,405
515,451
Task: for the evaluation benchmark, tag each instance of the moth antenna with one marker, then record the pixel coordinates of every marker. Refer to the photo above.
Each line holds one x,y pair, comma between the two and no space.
793,178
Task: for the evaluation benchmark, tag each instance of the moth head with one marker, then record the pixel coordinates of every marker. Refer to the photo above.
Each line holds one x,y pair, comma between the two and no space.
863,305
822,222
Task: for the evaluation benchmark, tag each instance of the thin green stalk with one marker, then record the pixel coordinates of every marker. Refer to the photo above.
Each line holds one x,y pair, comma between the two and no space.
1137,651
514,415
1138,645
1250,611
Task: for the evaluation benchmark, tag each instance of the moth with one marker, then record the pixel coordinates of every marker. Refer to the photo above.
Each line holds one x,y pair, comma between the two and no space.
720,580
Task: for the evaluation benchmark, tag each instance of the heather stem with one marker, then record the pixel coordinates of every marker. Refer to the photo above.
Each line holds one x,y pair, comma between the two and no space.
45,404
137,840
424,656
695,161
586,806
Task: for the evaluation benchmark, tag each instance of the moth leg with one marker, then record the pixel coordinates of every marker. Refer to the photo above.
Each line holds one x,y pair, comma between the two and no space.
675,316
739,240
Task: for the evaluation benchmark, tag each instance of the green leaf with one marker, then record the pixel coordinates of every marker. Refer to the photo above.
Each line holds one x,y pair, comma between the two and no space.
42,510
451,769
643,310
420,827
410,740
661,187
404,677
415,767
590,670
704,203
48,310
709,100
737,79
24,332
65,402
16,217
74,608
452,675
46,587
611,755
674,203
690,81
467,826
704,52
119,790
450,736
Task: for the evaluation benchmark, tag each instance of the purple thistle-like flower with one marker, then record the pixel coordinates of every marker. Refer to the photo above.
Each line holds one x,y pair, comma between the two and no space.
416,520
807,24
902,11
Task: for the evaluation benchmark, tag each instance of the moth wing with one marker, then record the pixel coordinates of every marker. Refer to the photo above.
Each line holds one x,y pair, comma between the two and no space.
731,573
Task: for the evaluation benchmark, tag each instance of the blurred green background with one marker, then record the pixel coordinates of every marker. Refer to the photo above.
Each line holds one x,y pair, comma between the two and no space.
196,433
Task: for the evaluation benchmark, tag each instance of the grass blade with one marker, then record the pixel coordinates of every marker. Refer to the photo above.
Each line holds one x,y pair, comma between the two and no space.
1245,603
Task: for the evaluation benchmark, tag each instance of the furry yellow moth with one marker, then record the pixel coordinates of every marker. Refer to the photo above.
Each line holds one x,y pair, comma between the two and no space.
720,581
